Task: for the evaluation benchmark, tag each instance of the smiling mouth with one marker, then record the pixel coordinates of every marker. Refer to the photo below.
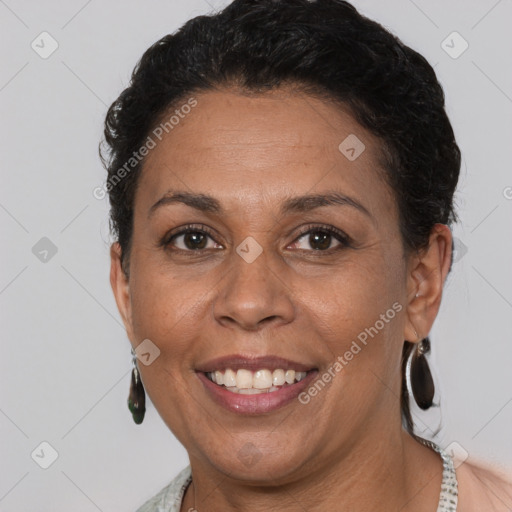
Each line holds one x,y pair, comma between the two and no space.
247,382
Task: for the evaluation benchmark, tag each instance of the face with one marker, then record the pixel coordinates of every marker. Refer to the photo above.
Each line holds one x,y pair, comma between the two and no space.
293,251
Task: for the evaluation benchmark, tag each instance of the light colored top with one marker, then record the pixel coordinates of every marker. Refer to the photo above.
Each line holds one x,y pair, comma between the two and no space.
169,498
481,488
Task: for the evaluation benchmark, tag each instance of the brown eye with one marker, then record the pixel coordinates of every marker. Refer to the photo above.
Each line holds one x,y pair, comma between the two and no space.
320,239
192,240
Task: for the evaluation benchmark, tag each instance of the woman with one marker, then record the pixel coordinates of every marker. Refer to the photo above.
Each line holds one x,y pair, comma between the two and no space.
281,179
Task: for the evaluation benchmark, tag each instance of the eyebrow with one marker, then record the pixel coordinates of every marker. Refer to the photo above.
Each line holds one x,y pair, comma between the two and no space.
299,204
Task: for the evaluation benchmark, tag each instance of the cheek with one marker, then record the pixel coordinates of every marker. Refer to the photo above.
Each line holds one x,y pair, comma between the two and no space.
354,294
165,307
357,311
169,312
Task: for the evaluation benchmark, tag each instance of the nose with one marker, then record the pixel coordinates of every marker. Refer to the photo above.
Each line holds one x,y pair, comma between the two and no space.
253,295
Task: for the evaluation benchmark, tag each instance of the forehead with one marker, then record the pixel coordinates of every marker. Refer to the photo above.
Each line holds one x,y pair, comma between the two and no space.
255,146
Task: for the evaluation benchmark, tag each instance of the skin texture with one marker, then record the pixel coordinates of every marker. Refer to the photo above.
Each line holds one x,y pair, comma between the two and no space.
346,446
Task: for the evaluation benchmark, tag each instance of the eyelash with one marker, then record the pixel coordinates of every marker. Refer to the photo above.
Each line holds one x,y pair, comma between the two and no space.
345,240
340,236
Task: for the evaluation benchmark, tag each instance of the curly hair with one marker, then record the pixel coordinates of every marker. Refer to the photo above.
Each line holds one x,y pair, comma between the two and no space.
324,48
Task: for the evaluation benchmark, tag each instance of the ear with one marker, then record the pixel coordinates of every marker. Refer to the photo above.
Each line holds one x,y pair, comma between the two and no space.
426,276
121,288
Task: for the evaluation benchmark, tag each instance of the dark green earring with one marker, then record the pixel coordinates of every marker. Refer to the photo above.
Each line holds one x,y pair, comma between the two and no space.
422,383
137,396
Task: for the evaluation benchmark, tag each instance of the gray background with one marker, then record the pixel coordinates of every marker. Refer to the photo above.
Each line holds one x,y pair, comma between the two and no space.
64,370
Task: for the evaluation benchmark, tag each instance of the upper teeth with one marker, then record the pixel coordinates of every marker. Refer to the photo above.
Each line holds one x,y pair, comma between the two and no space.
261,379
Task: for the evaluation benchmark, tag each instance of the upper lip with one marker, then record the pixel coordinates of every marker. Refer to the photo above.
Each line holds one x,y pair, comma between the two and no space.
253,363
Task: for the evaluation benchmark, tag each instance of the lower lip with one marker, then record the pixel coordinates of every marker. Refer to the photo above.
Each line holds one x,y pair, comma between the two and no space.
255,404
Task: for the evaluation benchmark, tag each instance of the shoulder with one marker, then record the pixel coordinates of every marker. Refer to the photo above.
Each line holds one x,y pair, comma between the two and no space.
170,497
483,487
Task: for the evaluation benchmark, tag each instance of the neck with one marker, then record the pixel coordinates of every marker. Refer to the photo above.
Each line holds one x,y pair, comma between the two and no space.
398,474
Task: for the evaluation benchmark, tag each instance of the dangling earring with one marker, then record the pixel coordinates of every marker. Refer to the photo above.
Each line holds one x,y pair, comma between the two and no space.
137,396
422,384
